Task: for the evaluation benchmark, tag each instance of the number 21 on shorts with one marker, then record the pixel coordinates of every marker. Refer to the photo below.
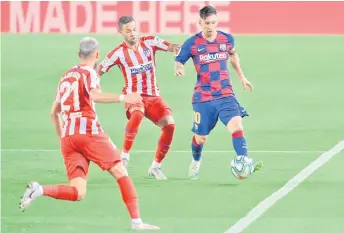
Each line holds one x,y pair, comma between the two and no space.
197,117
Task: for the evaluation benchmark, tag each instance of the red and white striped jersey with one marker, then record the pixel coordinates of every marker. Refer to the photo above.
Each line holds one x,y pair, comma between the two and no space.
137,66
78,110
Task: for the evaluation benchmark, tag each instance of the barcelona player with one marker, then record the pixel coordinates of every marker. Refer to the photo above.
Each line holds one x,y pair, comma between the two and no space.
213,96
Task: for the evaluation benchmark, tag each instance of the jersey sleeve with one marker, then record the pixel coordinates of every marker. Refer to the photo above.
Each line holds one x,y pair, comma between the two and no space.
94,81
109,61
230,42
185,52
157,43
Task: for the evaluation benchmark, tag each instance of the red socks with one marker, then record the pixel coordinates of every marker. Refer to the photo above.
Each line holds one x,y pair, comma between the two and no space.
132,127
70,193
129,196
62,192
165,141
131,130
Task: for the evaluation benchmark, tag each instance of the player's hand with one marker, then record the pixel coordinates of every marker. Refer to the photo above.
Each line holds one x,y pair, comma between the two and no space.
246,83
133,98
179,72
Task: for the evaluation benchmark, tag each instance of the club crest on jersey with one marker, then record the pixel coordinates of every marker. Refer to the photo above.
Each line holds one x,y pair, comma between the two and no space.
147,52
223,47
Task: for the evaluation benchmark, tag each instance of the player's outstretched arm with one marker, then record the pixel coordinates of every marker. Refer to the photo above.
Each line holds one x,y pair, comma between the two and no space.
174,48
234,57
109,61
179,69
103,97
55,117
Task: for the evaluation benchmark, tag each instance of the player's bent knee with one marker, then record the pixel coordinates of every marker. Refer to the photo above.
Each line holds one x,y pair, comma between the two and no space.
118,171
81,194
165,121
137,108
200,139
235,124
80,185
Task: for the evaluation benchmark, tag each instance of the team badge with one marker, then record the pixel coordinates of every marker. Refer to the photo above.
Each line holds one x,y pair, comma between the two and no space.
147,52
223,47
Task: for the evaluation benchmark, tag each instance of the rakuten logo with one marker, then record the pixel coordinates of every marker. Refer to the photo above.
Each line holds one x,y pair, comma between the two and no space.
213,57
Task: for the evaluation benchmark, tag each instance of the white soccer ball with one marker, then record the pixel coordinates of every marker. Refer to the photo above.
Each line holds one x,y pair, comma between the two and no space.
242,167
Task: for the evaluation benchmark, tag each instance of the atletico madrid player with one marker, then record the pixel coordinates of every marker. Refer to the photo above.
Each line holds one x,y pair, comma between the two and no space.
136,58
82,137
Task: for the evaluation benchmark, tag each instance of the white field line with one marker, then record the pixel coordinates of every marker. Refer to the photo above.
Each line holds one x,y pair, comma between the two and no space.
176,151
268,202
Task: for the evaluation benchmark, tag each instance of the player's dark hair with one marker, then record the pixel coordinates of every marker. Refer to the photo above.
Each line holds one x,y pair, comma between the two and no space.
207,11
124,20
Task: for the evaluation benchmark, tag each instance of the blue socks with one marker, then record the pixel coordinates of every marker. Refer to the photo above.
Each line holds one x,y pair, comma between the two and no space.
239,143
196,150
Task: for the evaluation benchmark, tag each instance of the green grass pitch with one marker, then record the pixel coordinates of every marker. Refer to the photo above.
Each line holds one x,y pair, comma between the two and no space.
297,105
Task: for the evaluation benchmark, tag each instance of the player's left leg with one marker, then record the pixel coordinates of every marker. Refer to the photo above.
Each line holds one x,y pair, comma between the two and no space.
160,114
231,114
77,169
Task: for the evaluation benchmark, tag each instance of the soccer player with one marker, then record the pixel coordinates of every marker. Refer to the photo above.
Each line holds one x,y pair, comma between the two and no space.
213,96
82,138
136,59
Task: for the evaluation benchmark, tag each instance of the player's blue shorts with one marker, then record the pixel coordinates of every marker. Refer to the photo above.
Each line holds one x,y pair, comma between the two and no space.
207,113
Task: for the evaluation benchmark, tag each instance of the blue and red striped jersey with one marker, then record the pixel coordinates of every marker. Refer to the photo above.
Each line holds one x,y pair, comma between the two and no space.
211,64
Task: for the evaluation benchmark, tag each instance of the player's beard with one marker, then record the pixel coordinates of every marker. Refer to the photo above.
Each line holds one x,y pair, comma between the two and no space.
132,42
95,65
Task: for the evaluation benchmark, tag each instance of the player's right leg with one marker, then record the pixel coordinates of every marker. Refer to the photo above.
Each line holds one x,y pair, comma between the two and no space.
159,112
101,151
77,170
75,191
205,119
231,114
197,146
135,115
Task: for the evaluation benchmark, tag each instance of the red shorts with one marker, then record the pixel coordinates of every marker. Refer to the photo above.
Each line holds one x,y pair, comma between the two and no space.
155,108
79,150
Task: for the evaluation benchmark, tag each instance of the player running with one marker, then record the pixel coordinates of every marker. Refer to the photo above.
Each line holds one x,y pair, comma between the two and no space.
82,138
136,59
213,96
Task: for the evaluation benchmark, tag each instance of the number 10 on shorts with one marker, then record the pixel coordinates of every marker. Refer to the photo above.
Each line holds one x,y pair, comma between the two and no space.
197,117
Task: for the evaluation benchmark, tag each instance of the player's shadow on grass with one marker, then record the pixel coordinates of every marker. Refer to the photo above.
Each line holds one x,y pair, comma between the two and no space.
214,184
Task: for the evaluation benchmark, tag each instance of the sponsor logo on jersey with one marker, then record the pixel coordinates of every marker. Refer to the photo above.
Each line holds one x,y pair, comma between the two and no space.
141,68
212,57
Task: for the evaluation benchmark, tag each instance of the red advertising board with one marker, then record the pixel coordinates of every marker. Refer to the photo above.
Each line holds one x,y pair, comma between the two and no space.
172,17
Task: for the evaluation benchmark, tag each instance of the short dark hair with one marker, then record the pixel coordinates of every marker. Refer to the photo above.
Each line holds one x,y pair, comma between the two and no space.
207,11
124,20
